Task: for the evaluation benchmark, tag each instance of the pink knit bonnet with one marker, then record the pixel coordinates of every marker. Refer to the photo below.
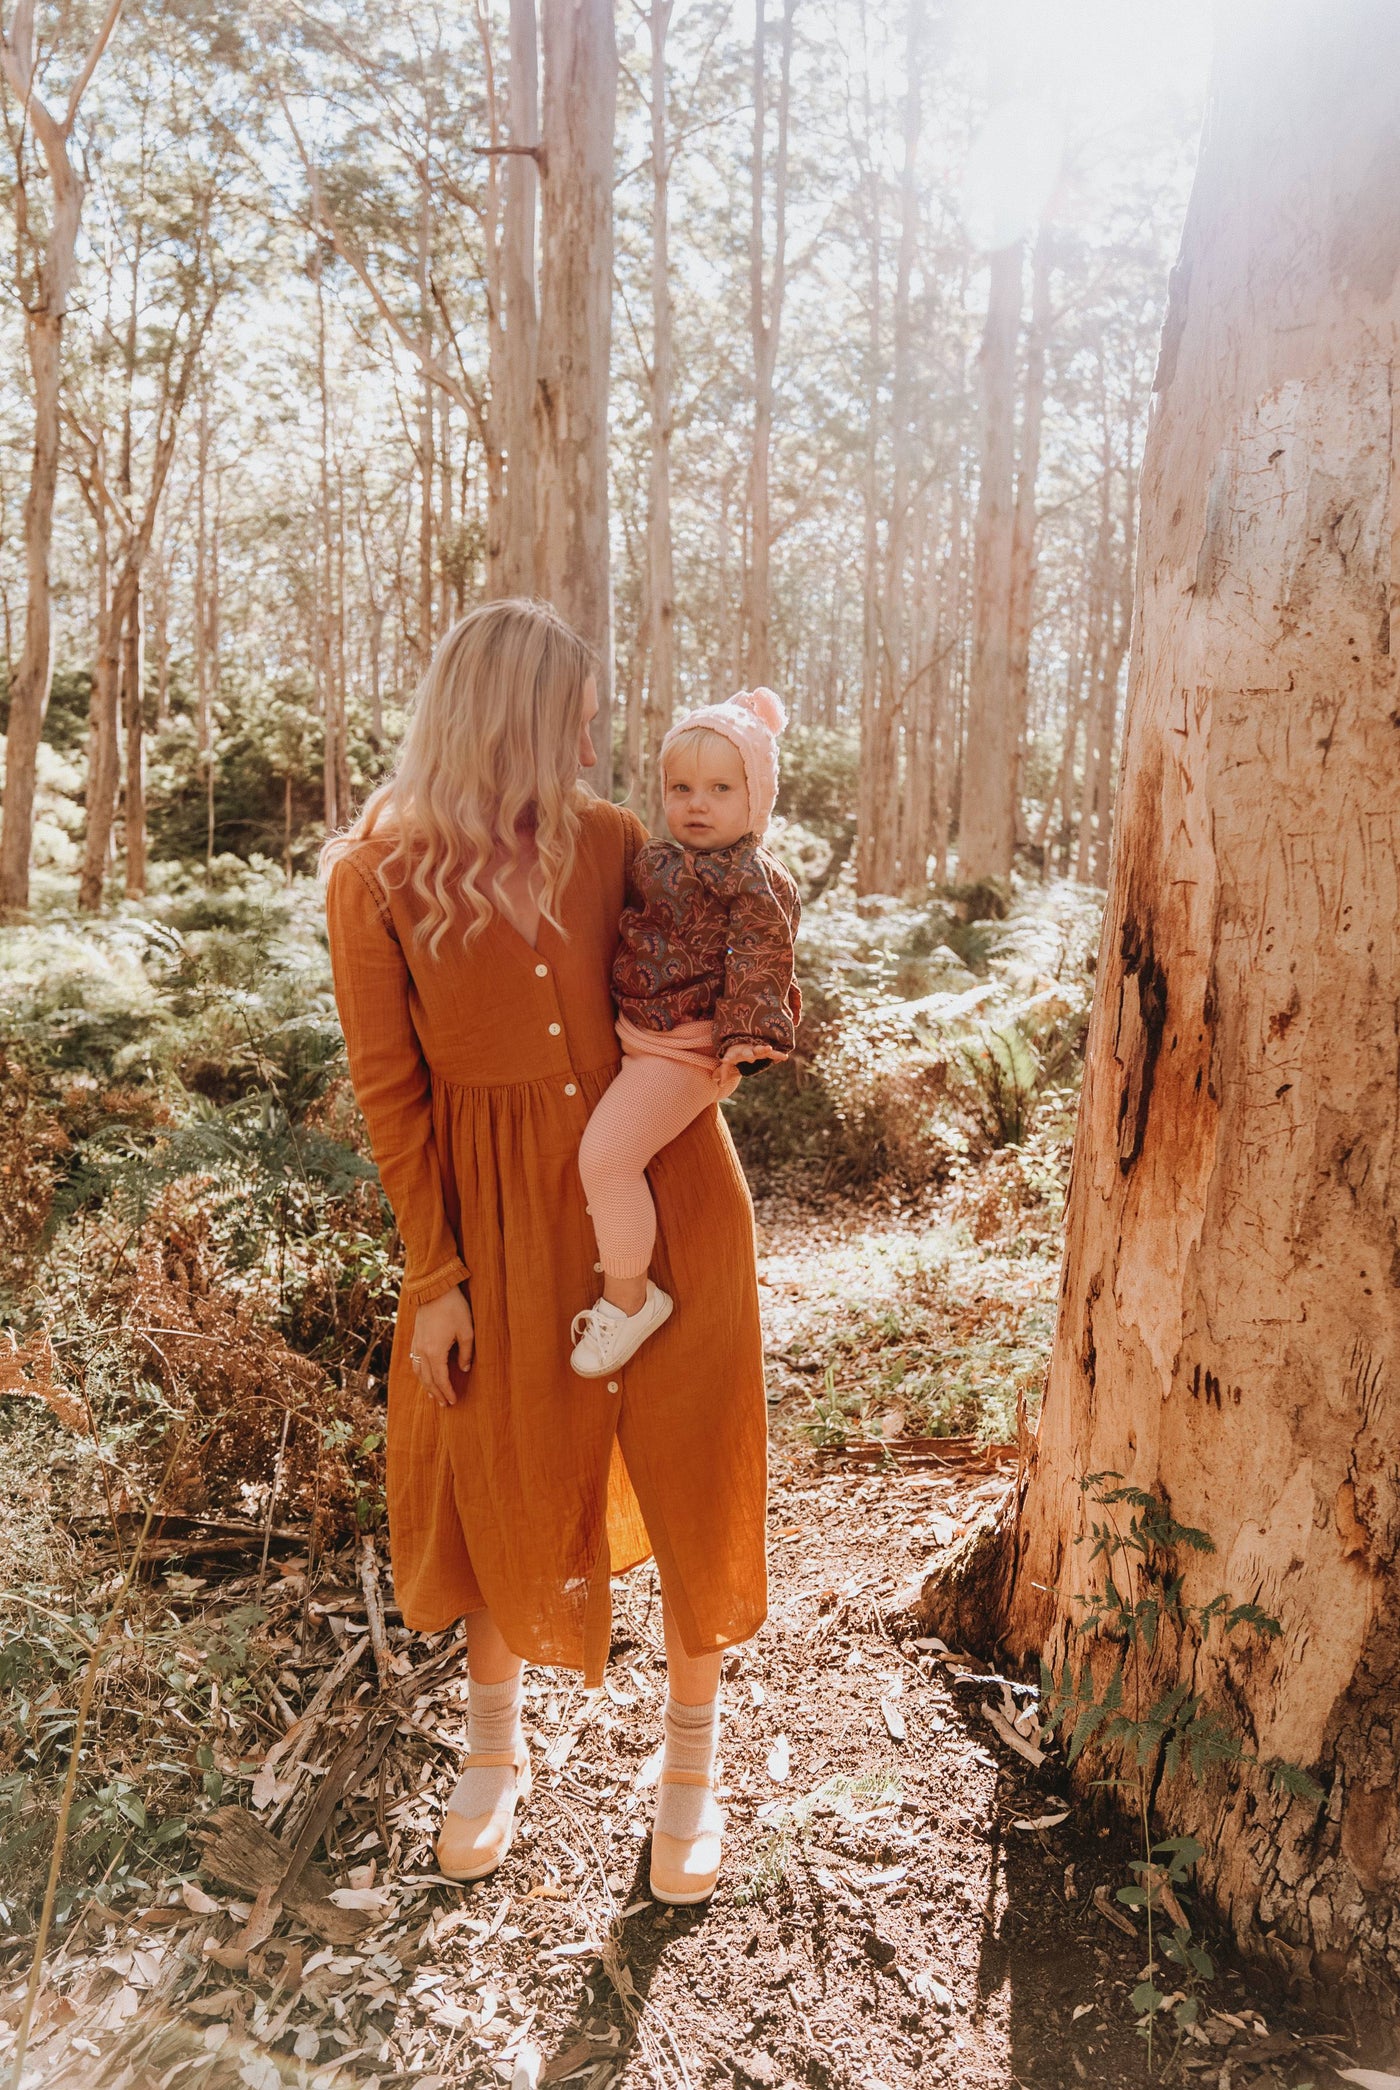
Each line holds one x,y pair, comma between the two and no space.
752,720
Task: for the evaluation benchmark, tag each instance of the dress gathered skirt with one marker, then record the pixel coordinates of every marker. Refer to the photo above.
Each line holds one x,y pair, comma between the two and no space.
476,1070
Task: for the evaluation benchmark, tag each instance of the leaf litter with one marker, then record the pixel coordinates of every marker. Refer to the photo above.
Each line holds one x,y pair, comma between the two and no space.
876,1921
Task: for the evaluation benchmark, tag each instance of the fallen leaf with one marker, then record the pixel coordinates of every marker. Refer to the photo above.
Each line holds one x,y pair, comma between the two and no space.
214,2036
1080,2010
374,1900
197,1901
1015,1741
1370,2078
894,1720
928,1988
1115,1916
307,2044
1042,1821
529,2062
453,2015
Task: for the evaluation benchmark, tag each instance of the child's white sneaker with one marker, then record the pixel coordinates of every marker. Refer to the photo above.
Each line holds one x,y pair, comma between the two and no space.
605,1337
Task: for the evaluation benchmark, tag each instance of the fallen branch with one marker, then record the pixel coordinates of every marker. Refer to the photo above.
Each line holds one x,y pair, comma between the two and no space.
374,1610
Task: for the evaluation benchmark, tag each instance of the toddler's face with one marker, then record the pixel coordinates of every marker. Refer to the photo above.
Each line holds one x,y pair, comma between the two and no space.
707,800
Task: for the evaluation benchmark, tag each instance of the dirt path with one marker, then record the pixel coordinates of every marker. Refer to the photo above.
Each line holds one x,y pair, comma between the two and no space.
884,1920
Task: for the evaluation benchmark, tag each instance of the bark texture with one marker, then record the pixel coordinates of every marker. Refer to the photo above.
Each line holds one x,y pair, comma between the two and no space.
1228,1328
575,334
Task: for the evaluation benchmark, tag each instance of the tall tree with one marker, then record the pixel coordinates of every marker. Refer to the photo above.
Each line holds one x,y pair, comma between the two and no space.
661,578
47,278
767,291
572,553
1227,1333
521,303
987,826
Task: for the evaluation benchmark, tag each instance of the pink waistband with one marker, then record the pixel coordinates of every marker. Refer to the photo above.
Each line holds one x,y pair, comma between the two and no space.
689,1044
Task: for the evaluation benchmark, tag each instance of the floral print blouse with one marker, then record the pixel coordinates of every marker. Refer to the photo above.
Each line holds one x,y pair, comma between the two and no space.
707,935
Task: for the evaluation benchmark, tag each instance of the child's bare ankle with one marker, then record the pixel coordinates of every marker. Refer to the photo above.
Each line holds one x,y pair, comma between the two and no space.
629,1294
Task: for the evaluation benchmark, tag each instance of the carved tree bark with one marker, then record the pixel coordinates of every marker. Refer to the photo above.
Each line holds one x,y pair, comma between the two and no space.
575,336
1228,1330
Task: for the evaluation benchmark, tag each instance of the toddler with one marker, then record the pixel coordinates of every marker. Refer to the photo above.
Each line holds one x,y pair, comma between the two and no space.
704,984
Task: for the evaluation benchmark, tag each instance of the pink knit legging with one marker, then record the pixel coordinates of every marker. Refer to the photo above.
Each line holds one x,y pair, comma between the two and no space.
649,1104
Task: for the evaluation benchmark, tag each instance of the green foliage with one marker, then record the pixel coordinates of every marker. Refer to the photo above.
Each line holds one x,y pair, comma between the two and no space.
818,783
1138,1732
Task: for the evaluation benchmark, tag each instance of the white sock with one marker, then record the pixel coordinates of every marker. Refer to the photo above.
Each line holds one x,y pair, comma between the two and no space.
493,1726
692,1737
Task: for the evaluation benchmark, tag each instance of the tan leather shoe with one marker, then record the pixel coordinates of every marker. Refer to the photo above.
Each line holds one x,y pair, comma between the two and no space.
470,1846
684,1868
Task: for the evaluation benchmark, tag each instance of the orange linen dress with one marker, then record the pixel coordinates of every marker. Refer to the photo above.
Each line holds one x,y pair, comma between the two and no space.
476,1071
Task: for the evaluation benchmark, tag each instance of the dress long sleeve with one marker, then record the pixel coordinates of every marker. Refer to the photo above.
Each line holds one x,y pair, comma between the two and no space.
390,1076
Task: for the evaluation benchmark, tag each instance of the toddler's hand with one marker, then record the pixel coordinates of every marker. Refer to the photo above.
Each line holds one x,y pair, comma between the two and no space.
438,1326
750,1049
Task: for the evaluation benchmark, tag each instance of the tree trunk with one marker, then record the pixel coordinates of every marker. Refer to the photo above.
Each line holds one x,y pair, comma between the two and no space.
661,579
765,324
46,309
1227,1331
104,745
133,675
872,852
987,829
1026,519
522,323
575,337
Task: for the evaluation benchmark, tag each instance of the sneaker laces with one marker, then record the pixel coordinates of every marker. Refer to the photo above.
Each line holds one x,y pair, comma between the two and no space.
590,1322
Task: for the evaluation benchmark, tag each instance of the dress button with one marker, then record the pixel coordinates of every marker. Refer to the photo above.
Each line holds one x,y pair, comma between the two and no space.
541,972
554,1029
570,1089
612,1386
598,1269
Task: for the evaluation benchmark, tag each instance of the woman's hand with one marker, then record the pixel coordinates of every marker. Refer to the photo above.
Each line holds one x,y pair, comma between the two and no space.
438,1326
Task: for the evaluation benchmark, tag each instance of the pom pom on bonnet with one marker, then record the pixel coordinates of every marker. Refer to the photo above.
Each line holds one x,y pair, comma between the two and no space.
752,721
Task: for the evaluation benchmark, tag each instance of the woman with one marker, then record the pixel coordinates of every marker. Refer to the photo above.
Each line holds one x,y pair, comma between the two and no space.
473,913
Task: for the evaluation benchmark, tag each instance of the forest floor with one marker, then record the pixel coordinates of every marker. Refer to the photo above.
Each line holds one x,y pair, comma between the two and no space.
904,1902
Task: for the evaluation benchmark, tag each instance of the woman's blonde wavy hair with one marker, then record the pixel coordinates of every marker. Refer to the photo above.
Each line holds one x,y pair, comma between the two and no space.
492,747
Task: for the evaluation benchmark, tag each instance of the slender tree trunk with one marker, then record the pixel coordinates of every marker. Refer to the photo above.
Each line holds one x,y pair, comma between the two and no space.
425,407
661,583
104,759
1227,1329
1026,518
575,338
765,324
133,673
871,853
521,305
160,626
987,831
46,310
727,637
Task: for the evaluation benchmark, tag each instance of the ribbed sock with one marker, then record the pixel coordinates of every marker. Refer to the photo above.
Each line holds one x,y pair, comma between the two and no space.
493,1725
692,1737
